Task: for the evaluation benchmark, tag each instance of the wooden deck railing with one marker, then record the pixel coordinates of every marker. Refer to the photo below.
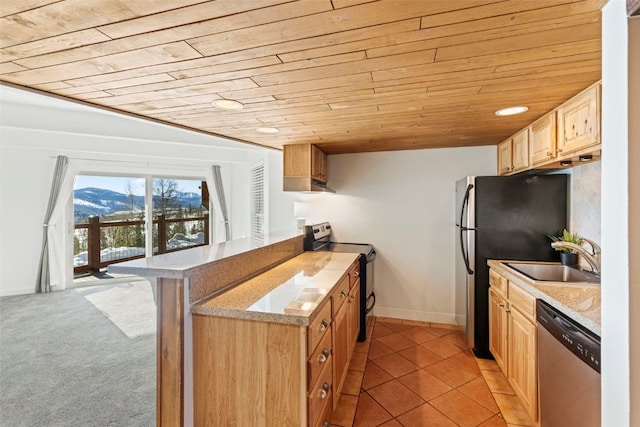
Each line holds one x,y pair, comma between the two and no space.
95,243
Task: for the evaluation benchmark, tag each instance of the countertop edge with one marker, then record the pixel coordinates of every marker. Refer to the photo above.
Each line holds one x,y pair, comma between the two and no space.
281,318
173,265
525,283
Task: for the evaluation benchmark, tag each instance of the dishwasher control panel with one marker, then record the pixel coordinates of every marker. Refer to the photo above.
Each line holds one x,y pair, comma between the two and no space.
577,339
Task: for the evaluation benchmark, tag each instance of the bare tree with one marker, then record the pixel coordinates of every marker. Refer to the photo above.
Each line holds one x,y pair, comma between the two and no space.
165,192
130,190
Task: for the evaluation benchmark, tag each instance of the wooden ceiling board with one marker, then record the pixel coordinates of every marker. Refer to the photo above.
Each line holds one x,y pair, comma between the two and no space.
349,75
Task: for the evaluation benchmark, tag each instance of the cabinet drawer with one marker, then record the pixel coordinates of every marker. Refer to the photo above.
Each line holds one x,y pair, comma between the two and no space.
354,274
340,295
523,301
320,395
318,327
498,283
320,357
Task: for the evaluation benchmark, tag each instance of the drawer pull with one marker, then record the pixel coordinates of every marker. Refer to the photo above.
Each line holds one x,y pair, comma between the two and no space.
323,325
343,294
356,274
326,424
323,357
325,391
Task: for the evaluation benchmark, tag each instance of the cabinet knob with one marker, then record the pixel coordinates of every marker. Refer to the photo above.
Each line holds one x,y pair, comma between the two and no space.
501,305
356,273
325,391
343,294
323,325
548,153
323,357
559,150
326,424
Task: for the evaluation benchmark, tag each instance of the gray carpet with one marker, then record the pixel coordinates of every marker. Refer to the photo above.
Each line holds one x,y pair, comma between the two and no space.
76,358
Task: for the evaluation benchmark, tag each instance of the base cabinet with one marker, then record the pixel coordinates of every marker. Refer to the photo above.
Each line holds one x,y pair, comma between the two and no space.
257,373
512,338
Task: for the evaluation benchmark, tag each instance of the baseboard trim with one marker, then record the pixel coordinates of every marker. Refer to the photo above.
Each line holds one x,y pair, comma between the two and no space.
422,316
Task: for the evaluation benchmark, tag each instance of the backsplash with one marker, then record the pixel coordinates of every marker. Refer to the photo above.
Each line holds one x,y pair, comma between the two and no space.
585,201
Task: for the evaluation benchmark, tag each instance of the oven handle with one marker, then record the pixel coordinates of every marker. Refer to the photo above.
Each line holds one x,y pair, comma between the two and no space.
367,307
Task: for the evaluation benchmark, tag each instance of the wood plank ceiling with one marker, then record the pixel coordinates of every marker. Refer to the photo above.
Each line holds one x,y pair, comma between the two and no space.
348,75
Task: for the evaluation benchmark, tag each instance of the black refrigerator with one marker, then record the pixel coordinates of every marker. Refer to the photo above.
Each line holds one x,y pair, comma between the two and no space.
506,218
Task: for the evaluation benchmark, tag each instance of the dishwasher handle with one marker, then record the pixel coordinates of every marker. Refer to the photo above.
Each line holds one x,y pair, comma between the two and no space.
577,339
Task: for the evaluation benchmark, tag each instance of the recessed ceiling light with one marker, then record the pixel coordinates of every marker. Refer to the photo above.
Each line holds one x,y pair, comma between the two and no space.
227,104
510,111
268,130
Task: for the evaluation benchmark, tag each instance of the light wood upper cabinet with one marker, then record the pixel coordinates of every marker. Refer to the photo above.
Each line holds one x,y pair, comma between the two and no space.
579,122
542,139
520,150
305,160
505,163
513,154
570,133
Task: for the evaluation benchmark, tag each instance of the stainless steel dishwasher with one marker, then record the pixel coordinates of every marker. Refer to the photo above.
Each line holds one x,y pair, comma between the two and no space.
568,370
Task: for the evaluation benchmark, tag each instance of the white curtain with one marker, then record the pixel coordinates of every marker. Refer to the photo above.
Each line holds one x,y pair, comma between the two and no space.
52,257
214,180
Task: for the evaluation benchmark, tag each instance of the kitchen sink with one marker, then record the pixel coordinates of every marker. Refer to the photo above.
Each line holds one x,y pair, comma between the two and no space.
555,273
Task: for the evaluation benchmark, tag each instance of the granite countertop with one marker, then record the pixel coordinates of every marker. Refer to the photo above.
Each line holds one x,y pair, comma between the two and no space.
580,302
180,264
290,292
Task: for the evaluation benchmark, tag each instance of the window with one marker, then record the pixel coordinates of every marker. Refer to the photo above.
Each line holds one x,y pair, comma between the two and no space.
256,205
111,219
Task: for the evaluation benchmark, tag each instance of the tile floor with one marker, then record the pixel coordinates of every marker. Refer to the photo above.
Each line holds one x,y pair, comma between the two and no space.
420,374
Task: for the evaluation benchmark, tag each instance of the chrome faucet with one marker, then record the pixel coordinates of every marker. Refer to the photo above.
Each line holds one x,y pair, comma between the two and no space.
592,257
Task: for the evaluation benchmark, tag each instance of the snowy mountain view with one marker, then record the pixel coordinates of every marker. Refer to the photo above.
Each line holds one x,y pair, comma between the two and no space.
103,202
182,222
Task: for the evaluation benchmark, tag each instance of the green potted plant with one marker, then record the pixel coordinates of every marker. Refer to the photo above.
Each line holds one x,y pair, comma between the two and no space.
568,256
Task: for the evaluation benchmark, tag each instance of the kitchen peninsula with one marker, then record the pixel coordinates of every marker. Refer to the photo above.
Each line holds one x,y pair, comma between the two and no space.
248,298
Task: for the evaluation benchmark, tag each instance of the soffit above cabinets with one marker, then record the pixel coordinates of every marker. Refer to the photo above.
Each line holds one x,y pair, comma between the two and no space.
346,75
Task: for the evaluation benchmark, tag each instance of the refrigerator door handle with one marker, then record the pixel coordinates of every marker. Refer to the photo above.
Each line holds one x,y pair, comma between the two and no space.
463,229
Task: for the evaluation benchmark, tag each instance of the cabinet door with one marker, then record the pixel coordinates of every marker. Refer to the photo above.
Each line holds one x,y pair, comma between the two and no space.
340,351
579,122
520,150
522,372
498,328
354,316
504,158
542,139
318,164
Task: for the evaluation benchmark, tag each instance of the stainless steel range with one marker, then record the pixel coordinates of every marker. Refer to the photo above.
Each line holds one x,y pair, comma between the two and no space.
318,238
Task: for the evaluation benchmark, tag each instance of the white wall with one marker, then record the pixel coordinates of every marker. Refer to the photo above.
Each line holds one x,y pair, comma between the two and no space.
36,129
616,327
403,203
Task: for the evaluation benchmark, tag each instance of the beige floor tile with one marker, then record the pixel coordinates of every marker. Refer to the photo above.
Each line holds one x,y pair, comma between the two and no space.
420,356
397,342
369,412
487,364
358,361
441,347
395,397
374,376
462,410
396,365
424,384
425,416
451,373
479,392
418,334
497,382
513,411
345,411
353,382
